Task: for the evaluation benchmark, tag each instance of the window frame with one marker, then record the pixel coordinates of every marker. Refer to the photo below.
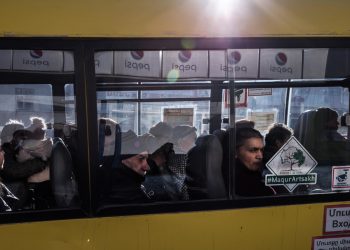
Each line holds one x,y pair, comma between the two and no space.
86,87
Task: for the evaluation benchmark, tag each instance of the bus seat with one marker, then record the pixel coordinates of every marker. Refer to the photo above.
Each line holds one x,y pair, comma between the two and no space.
109,147
304,130
204,178
70,139
223,137
64,186
308,130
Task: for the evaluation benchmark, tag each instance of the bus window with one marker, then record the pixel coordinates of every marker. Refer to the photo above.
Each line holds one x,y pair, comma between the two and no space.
268,153
303,99
164,123
70,104
263,106
21,101
307,152
37,139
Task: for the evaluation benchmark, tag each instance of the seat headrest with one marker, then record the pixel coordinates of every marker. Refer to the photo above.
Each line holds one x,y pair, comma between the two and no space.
204,172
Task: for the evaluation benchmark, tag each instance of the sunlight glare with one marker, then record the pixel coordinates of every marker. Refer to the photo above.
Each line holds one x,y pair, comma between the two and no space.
224,7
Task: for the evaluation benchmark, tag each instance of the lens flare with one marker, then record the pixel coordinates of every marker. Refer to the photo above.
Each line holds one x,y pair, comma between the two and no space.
188,44
173,75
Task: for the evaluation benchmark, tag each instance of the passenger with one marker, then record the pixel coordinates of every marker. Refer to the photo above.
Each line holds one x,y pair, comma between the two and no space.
277,135
184,138
26,159
330,146
249,163
128,176
160,182
244,123
326,121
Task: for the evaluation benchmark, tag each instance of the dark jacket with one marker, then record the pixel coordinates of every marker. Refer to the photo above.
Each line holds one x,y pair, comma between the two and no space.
16,171
160,184
126,186
250,183
7,200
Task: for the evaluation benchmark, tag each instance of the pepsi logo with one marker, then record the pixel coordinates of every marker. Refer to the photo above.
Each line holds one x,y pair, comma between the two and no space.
184,56
281,58
36,53
137,54
234,57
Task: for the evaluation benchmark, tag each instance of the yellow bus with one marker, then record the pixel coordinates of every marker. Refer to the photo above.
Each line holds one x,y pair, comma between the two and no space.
76,63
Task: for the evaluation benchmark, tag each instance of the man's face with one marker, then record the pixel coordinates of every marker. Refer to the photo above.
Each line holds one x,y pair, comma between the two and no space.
138,163
251,153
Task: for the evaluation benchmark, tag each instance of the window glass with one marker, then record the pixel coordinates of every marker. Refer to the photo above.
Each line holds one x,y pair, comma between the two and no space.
175,93
278,148
38,143
70,103
148,148
190,113
308,155
263,106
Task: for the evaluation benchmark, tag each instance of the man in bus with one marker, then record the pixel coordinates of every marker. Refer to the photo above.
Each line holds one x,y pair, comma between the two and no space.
128,175
249,163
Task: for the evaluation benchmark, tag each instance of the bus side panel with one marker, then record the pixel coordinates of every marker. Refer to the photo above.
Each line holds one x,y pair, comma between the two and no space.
278,227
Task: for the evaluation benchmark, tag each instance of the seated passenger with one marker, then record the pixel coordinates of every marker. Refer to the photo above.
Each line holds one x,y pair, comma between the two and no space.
326,121
160,182
330,146
184,138
26,157
249,163
244,123
128,176
277,135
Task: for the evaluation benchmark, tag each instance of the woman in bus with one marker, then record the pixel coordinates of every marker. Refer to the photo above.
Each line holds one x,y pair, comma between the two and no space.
249,163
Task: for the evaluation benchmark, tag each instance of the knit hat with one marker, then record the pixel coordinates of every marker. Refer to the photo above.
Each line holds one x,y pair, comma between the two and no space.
9,129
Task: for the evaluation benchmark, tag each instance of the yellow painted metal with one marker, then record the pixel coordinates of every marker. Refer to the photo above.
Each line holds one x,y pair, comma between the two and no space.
174,18
274,228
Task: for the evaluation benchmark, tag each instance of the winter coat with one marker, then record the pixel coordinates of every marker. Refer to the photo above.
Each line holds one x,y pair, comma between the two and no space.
249,183
19,171
126,186
7,199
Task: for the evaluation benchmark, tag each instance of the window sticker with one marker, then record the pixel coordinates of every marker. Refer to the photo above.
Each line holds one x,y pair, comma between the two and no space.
178,116
331,243
259,91
291,166
340,178
336,219
240,98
